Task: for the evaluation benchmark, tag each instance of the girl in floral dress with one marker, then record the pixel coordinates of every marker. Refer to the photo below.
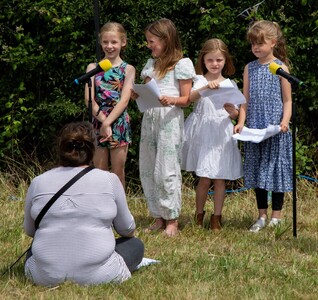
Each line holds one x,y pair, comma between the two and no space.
267,165
162,127
111,92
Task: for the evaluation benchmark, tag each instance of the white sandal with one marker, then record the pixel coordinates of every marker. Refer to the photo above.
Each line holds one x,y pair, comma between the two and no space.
259,224
274,222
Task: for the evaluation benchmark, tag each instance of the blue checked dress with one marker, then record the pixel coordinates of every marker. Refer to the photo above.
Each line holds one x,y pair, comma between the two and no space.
267,165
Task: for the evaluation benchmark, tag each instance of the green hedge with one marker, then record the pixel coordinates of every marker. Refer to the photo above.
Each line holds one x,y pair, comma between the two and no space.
46,44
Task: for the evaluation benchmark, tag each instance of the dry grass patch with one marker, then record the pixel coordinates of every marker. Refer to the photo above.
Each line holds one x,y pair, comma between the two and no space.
196,264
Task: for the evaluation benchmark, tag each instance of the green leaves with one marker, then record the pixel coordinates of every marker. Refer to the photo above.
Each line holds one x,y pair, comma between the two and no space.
45,44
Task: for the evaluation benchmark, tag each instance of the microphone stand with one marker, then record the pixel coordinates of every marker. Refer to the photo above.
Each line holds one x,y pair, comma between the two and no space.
90,105
294,84
294,96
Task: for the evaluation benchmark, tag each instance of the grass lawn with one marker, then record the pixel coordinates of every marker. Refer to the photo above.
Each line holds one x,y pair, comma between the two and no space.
196,264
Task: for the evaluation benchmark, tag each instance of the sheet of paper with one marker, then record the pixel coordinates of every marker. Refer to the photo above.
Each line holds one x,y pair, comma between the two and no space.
256,135
146,262
148,95
226,93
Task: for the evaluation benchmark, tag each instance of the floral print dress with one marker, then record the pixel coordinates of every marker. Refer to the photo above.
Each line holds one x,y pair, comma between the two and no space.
267,165
161,144
108,88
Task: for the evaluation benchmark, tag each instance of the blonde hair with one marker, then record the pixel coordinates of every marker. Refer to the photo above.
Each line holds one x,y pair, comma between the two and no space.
114,27
166,31
213,45
267,30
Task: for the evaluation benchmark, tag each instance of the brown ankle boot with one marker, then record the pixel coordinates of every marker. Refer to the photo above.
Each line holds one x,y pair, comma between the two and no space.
215,223
198,218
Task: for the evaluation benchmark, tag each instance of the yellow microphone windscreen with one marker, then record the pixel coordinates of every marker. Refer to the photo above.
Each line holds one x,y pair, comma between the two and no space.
105,64
273,67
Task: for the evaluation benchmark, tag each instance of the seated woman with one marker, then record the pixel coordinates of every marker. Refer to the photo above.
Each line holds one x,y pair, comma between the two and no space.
75,239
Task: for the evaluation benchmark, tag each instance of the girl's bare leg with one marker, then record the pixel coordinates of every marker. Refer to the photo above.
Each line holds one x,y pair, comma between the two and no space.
202,190
101,158
219,196
118,159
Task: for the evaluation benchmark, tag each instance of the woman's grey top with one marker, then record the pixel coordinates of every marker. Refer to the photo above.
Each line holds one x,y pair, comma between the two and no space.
75,239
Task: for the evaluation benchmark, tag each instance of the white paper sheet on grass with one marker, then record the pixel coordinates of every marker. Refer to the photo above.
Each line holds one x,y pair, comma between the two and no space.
148,95
226,93
256,135
147,262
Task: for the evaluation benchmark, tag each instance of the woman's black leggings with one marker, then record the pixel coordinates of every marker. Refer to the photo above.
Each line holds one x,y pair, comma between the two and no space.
262,198
131,250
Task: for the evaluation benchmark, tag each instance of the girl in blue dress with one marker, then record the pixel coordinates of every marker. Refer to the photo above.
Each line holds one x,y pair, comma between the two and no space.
267,165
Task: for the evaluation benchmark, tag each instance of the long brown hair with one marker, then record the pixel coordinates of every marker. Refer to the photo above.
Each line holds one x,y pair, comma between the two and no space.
211,46
165,30
263,29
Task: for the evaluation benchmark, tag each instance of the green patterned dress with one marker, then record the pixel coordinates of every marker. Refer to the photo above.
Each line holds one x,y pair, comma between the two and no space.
161,144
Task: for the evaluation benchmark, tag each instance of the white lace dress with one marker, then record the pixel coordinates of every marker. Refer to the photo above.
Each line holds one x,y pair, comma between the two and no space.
209,149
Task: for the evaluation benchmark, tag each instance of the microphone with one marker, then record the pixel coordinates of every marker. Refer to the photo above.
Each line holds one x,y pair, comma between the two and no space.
276,69
103,65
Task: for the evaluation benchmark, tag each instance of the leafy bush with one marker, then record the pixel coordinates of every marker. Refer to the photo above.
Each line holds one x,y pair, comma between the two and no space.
46,44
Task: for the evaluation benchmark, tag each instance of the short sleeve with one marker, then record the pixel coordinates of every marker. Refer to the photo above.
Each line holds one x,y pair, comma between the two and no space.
199,81
147,71
237,106
235,84
184,69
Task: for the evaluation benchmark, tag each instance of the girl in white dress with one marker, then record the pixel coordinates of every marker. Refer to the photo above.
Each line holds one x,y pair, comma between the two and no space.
209,149
162,127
